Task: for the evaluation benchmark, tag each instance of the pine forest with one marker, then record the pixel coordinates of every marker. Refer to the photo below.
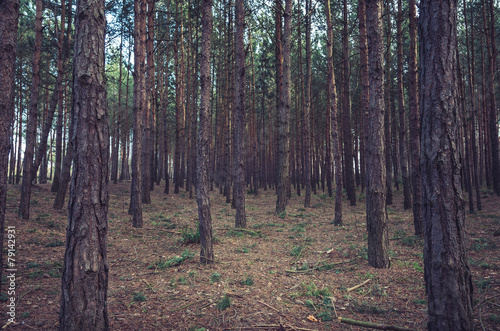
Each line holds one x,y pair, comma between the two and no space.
249,165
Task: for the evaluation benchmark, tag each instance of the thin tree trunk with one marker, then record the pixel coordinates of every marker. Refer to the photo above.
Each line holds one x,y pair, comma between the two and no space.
376,213
403,152
447,274
283,187
415,125
140,8
333,118
203,162
239,116
365,84
346,114
307,111
387,103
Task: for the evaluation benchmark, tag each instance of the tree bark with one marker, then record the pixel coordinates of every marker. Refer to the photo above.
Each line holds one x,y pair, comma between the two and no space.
307,112
447,274
9,17
139,96
415,124
203,161
365,84
332,104
239,117
85,271
24,205
376,213
403,151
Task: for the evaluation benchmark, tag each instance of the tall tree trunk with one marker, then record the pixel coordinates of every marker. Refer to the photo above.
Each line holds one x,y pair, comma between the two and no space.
203,162
403,151
85,271
24,205
9,17
239,116
376,213
415,125
283,187
365,84
307,111
332,104
346,114
147,135
387,103
493,113
447,274
140,8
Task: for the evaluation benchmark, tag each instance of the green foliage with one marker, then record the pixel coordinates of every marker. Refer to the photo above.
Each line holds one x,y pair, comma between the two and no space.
215,277
247,281
189,236
55,243
483,244
314,291
224,302
174,261
138,297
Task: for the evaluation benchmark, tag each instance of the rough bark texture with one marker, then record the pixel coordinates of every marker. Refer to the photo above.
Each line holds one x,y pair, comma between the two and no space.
239,119
307,112
403,151
24,205
365,84
337,157
85,272
203,161
447,274
9,16
415,124
283,187
139,109
376,214
346,113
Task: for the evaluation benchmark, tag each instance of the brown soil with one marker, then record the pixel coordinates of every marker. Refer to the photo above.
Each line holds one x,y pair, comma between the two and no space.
285,273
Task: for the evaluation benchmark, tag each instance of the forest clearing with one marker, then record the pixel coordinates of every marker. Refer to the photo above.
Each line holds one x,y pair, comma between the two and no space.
278,271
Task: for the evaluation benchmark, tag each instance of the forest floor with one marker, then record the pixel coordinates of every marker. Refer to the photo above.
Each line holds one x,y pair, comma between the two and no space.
289,272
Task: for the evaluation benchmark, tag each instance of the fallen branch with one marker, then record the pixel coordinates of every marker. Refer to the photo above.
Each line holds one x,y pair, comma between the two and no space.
371,325
359,285
265,304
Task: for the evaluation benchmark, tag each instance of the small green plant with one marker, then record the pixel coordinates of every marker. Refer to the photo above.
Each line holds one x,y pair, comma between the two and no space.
138,297
299,228
483,244
494,319
174,261
25,314
3,297
215,277
247,281
32,265
297,250
420,301
189,236
224,302
55,243
412,241
313,291
242,250
282,215
36,274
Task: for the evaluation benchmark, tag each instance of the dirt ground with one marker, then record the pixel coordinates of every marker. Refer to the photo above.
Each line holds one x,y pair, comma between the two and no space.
288,272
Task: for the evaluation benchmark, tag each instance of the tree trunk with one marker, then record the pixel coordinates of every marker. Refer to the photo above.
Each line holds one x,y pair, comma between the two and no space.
307,111
203,161
239,116
332,104
415,125
447,274
387,103
85,272
403,151
365,84
283,187
140,7
376,213
24,205
9,17
346,114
